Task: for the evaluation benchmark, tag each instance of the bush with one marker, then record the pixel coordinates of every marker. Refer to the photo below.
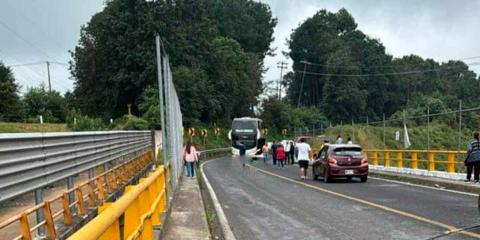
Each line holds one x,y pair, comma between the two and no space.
131,123
85,123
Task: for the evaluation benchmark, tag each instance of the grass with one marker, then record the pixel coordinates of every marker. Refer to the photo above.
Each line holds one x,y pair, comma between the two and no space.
7,127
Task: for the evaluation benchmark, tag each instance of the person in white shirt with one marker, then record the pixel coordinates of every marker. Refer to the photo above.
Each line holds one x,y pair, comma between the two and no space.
304,153
349,140
339,140
288,148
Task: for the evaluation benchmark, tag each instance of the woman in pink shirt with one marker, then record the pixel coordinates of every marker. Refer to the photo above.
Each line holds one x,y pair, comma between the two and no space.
190,155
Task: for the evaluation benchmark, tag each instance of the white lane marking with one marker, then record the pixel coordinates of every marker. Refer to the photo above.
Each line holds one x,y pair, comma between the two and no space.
423,186
226,229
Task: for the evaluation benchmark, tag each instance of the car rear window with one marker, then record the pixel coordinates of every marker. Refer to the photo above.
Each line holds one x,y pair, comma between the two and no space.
348,151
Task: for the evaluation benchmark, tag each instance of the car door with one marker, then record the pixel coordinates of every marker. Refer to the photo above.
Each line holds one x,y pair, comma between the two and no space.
321,160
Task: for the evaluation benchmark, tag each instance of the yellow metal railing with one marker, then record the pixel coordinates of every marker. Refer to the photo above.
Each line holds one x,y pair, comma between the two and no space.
89,194
432,160
140,207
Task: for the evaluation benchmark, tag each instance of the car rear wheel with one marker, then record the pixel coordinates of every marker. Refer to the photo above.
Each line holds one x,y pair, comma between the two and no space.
363,178
326,177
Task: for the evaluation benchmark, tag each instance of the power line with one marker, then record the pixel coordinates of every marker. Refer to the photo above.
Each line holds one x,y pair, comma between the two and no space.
25,40
379,74
26,64
31,22
376,66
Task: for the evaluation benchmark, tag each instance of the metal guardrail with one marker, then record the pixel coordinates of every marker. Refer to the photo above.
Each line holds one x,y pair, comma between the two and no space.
139,208
34,160
61,211
432,160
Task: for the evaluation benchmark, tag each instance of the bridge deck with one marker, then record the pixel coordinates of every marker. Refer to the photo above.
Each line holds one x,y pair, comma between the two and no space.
275,205
187,219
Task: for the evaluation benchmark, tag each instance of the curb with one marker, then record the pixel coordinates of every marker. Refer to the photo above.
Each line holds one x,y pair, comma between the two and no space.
428,181
226,229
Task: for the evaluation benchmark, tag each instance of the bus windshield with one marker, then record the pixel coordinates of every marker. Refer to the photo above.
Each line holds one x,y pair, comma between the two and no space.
244,125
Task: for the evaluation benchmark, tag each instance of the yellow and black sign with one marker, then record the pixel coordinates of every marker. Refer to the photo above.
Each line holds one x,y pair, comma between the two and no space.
217,132
204,132
284,132
265,132
191,132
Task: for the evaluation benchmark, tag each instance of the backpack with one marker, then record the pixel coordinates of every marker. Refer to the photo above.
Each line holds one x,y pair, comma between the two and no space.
474,154
280,152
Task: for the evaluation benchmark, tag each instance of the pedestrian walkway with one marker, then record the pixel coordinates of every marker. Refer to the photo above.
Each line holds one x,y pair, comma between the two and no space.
187,220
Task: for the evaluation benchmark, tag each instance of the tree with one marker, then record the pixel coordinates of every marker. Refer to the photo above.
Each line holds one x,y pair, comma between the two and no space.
50,105
248,22
10,104
114,61
352,76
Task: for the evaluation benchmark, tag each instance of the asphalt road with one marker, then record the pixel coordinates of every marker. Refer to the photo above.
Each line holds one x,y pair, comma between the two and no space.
265,202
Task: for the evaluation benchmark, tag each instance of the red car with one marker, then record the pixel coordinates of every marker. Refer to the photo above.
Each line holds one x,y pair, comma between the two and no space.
340,161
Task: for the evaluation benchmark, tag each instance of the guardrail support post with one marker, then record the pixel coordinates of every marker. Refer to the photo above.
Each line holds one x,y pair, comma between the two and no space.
39,213
375,158
431,161
25,227
414,163
386,156
399,159
91,173
451,162
71,195
49,223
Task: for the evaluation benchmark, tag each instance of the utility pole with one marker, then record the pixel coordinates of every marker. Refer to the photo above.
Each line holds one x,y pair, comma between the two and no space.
303,79
48,73
282,65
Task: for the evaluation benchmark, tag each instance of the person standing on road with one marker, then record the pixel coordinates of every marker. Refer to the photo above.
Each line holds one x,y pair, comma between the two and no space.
473,158
304,153
242,151
274,156
339,139
280,154
288,147
190,155
265,151
292,152
349,140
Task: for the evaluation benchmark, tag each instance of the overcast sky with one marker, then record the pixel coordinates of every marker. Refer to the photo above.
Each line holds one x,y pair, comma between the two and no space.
40,30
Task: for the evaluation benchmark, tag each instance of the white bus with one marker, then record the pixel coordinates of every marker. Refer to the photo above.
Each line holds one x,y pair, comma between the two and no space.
247,130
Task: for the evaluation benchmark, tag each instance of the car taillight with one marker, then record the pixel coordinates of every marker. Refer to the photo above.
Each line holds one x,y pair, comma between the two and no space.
364,160
332,160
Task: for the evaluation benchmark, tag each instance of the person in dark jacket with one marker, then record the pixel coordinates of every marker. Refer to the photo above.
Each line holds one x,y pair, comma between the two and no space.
242,151
473,158
274,154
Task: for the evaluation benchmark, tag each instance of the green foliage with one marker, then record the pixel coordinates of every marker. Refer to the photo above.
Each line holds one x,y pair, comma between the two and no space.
216,57
278,115
149,107
85,123
351,83
39,101
248,22
10,104
131,123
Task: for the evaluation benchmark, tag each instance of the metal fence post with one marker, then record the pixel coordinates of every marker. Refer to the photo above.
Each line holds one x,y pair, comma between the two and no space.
39,213
459,125
384,146
428,135
71,195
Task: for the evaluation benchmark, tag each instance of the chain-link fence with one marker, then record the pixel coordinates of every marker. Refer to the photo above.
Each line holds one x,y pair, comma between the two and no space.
431,130
171,117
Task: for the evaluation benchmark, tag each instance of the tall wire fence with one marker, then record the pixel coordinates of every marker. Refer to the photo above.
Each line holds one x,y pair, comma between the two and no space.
171,116
430,132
